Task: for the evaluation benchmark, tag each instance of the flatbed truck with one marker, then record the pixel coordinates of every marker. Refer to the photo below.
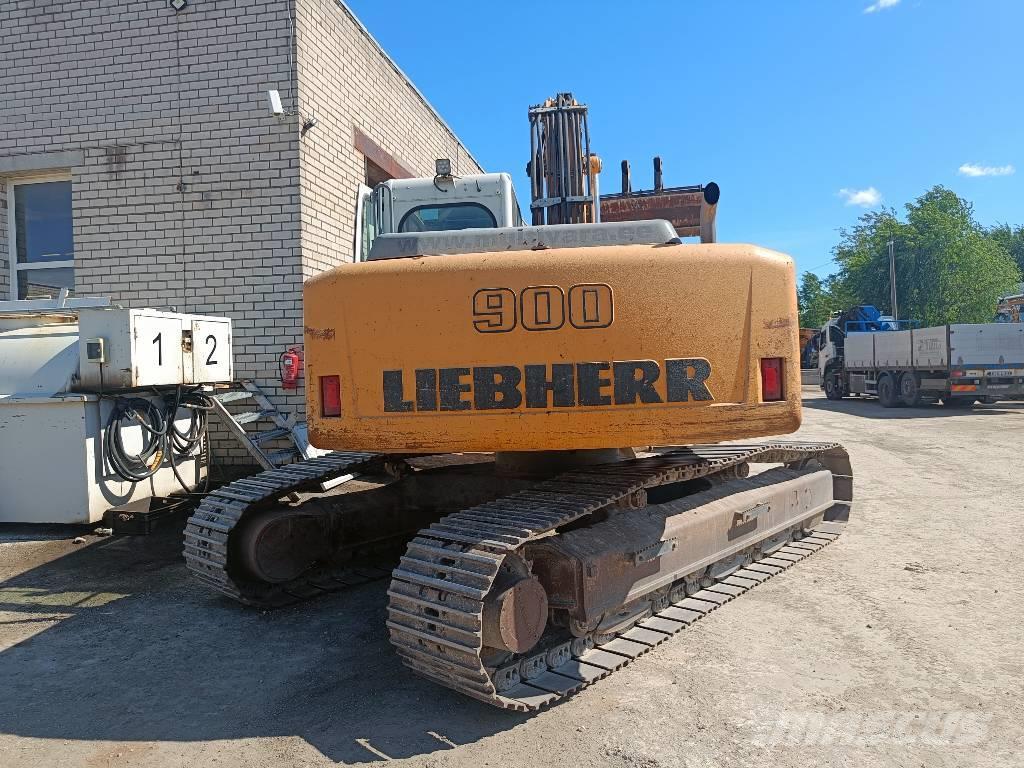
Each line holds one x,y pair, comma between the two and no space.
959,364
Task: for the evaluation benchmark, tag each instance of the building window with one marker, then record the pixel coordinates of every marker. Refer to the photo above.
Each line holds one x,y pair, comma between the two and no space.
42,252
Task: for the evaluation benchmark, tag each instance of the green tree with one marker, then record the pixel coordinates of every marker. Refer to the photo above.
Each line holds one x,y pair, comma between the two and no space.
1012,241
813,301
818,298
948,268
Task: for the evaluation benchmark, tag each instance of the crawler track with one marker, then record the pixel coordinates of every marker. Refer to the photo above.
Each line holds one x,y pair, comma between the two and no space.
437,594
208,531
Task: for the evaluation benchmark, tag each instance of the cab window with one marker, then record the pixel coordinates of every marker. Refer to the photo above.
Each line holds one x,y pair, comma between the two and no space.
449,216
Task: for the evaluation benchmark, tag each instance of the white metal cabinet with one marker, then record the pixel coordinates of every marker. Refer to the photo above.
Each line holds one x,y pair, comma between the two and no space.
140,348
211,351
156,356
148,348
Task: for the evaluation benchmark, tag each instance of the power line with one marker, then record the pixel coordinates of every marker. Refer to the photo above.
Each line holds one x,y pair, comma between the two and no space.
819,266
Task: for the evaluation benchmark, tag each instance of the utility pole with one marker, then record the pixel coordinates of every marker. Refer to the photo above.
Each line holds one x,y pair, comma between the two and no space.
892,278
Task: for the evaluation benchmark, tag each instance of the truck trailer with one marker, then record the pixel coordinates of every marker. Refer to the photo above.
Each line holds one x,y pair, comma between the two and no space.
901,365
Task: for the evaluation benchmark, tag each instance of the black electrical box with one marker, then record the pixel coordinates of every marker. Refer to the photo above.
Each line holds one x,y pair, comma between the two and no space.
142,516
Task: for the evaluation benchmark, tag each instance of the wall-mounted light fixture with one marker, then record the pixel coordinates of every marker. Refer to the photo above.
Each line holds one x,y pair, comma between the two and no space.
276,108
178,5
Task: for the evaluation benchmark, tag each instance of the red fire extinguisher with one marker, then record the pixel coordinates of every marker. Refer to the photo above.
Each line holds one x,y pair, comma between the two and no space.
291,367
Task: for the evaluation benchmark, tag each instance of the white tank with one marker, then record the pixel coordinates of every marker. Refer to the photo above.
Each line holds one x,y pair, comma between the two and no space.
52,468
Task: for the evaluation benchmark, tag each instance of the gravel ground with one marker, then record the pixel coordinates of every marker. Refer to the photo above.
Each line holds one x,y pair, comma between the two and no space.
899,645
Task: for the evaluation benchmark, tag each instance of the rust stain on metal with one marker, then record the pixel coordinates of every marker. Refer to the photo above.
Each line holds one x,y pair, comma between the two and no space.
324,334
680,208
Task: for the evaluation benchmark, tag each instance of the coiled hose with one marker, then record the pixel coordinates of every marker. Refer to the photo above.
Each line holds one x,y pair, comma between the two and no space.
183,444
161,437
135,467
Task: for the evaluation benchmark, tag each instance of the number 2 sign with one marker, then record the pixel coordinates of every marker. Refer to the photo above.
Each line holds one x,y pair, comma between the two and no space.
211,353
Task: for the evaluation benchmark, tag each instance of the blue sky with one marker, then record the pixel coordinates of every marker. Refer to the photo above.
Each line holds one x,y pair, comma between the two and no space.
803,111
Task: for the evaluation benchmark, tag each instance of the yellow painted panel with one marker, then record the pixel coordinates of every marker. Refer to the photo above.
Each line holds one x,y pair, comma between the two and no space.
553,349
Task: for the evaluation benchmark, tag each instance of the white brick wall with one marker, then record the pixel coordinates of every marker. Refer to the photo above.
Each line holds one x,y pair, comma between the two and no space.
188,190
187,194
346,83
5,274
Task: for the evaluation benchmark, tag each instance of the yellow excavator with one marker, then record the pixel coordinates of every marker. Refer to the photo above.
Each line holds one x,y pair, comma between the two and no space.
549,401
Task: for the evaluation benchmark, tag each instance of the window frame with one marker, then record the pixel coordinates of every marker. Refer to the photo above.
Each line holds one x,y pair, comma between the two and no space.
12,228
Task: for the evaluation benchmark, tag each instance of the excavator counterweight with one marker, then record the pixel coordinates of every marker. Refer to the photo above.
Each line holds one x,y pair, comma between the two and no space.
561,348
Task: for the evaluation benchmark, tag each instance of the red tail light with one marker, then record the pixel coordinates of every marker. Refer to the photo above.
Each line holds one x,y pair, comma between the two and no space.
771,379
330,396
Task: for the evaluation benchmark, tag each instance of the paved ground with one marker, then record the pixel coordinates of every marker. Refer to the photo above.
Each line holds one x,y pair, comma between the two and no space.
899,645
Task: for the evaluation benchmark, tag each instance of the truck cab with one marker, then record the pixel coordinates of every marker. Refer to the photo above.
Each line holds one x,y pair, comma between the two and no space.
442,203
832,341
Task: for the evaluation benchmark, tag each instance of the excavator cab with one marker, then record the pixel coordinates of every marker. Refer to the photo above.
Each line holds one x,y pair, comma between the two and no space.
445,202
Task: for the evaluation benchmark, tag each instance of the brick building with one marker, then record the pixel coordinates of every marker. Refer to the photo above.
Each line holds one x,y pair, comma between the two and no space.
140,160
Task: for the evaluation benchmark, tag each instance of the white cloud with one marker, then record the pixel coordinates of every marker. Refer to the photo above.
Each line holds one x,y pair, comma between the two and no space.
881,5
972,169
865,198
